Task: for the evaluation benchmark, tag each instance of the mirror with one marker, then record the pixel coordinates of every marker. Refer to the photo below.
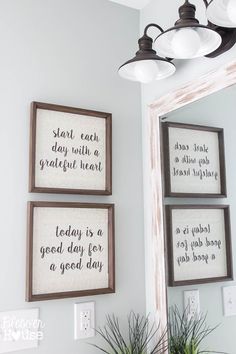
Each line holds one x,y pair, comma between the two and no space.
206,101
216,110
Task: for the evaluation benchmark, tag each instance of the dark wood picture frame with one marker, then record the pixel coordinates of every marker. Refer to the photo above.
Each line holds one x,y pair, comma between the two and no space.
166,160
30,244
170,252
32,158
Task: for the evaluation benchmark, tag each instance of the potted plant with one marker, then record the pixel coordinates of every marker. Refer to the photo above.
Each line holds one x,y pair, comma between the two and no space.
139,337
186,334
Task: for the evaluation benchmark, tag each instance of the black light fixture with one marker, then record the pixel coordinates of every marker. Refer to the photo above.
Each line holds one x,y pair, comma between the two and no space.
187,39
147,66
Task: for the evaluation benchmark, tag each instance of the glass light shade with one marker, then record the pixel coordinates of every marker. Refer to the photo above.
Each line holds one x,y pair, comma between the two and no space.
186,42
148,70
177,44
222,13
231,11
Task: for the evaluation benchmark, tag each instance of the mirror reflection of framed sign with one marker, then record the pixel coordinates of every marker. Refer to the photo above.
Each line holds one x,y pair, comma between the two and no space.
194,161
199,244
70,150
70,250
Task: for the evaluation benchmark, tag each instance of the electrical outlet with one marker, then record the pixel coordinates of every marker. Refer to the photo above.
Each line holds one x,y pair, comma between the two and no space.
229,296
192,303
85,320
84,317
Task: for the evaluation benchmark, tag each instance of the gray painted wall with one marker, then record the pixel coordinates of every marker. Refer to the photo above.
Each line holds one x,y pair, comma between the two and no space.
67,52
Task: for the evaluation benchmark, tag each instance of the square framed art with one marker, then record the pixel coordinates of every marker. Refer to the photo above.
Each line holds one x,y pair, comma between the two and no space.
70,150
198,244
70,250
194,161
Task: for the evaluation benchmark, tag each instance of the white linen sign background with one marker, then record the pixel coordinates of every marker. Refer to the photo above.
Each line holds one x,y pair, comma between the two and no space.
212,220
191,183
47,123
46,219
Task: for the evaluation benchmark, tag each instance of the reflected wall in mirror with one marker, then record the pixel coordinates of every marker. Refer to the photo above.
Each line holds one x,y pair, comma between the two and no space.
216,110
209,101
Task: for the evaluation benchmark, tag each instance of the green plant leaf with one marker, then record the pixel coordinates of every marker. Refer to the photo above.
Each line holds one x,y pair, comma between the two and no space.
139,337
187,334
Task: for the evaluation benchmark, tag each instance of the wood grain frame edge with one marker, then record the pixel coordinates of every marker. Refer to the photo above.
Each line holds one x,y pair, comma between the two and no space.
32,149
228,243
30,297
166,154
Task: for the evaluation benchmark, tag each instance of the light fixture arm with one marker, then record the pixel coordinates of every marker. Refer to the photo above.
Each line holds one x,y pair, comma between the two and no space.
152,25
206,3
146,41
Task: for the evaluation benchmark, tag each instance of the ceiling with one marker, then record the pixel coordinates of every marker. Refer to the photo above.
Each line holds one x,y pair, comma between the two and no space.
136,4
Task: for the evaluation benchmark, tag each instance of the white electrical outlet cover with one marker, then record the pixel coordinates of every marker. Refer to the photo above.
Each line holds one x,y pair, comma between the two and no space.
229,299
85,312
192,302
19,330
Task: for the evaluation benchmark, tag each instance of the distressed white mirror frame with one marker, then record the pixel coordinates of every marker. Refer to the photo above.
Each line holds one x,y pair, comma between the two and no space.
155,241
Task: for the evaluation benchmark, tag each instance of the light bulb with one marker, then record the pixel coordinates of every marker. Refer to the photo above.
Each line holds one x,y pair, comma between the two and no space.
186,43
146,71
231,10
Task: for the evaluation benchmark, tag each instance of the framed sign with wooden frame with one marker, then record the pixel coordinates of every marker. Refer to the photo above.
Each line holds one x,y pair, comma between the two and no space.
194,161
199,244
70,250
70,150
